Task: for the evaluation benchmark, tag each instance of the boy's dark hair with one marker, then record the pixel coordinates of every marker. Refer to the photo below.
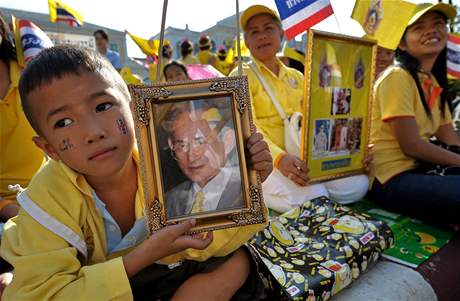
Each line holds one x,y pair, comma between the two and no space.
103,34
439,71
177,64
56,62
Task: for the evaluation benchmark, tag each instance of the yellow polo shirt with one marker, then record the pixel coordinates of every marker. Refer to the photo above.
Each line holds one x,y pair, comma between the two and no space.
396,95
19,157
288,89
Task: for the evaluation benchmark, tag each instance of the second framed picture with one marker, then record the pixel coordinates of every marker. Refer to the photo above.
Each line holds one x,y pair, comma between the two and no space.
191,139
338,81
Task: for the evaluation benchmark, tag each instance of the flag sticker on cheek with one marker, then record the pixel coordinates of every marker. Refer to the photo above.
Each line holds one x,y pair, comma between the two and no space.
65,145
122,126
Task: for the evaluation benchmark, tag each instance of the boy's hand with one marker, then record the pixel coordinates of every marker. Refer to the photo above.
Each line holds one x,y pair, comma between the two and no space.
166,241
173,238
294,169
261,159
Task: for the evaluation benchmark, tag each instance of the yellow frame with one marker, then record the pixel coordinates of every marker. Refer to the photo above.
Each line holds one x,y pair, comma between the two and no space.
314,108
143,98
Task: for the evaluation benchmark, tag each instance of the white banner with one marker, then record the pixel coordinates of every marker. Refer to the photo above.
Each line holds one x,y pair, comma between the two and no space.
72,39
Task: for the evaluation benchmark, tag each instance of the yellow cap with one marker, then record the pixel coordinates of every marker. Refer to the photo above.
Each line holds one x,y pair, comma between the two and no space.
421,9
256,10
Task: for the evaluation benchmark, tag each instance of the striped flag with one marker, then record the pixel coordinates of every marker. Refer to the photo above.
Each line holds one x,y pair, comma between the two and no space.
29,40
60,12
299,15
453,56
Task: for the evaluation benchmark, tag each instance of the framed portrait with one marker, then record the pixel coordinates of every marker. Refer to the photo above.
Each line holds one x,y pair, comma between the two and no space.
191,137
339,75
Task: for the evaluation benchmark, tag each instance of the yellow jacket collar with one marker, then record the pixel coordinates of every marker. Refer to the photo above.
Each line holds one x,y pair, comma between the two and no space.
79,180
260,65
15,73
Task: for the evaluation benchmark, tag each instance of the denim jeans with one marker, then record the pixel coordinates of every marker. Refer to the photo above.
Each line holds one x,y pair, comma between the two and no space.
432,198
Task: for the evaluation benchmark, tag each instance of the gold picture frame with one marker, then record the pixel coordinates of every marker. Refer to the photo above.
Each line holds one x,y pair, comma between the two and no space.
197,122
339,75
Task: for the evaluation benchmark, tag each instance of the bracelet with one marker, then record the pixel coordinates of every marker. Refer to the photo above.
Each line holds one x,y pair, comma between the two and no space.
278,159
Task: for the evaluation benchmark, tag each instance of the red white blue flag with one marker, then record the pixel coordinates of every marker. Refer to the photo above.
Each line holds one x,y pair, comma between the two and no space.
299,15
453,55
30,40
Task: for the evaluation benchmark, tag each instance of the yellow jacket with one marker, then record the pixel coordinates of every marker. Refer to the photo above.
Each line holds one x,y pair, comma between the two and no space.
64,256
19,157
287,87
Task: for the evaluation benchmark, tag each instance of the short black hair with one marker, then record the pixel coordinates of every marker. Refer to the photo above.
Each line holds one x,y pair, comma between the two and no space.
58,61
103,33
177,64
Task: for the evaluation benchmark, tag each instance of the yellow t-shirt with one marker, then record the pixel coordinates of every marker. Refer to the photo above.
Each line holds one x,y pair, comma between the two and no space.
206,57
288,89
190,59
396,95
19,157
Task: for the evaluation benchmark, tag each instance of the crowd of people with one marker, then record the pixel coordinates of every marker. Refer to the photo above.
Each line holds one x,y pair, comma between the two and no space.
75,224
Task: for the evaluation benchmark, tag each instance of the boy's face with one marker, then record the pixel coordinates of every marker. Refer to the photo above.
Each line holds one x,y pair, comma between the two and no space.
85,122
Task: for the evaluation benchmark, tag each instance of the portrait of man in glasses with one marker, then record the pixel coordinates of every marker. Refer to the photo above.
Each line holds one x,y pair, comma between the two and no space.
203,144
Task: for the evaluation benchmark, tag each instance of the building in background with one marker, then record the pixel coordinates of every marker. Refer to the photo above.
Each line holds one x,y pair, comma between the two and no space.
60,33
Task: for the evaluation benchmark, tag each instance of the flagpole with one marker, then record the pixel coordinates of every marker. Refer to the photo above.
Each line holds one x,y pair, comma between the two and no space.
337,21
240,64
160,51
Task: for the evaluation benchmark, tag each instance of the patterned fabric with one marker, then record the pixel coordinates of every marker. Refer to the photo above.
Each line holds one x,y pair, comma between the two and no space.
318,249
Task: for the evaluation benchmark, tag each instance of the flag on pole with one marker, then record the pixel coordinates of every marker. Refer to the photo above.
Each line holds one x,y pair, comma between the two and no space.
453,56
29,40
383,20
297,16
60,12
148,47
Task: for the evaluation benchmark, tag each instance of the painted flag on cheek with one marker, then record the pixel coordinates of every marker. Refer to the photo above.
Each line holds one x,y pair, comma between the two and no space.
29,39
453,56
299,15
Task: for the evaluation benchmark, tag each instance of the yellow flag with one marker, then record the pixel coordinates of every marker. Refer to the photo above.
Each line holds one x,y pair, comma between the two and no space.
383,20
149,47
244,49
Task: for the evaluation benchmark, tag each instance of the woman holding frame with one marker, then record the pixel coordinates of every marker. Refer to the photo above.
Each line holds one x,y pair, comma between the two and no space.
411,175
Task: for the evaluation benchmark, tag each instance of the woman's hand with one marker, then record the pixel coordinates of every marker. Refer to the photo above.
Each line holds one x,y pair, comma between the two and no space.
367,161
294,169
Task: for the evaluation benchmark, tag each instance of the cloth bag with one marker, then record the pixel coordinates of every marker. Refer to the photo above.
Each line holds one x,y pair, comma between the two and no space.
292,123
314,251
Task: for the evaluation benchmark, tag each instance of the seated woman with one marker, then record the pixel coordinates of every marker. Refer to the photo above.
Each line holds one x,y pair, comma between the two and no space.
410,107
288,186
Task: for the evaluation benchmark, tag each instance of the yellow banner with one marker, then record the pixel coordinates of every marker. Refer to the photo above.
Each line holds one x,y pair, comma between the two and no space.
383,20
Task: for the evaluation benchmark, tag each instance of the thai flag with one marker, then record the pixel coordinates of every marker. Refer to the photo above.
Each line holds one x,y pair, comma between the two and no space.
299,15
63,15
453,56
30,40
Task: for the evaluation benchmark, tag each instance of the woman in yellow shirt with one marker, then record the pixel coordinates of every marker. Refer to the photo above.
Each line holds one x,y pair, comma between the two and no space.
410,108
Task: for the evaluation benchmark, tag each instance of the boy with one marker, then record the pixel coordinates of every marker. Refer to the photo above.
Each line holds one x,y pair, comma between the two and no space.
85,206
